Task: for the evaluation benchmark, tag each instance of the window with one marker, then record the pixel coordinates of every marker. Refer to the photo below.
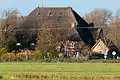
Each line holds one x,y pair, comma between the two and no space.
50,14
77,45
60,13
100,51
38,14
72,45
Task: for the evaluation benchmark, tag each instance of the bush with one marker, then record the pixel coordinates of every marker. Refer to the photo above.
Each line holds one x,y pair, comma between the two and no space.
8,57
26,55
97,56
49,54
54,53
60,55
2,51
38,54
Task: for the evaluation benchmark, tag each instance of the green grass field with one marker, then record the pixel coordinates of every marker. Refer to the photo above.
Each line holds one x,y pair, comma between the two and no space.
60,71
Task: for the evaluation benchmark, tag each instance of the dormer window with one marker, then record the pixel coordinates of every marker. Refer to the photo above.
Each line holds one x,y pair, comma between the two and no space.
61,14
38,13
50,14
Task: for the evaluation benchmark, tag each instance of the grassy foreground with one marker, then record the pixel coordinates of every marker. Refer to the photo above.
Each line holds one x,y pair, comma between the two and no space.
59,71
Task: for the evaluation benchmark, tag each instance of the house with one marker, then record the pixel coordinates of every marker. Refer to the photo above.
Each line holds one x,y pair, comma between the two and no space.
100,38
100,47
107,49
66,17
73,48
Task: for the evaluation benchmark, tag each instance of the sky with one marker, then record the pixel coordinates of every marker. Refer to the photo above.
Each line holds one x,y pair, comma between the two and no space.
80,6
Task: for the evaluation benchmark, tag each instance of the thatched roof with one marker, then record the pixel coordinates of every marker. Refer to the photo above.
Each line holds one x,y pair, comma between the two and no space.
65,16
62,14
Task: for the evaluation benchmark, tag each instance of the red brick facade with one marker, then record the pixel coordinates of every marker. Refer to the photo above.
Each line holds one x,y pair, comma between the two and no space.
72,48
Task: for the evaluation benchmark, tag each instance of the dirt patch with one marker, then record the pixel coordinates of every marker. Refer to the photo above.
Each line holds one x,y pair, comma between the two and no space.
117,77
46,76
99,78
1,77
86,78
30,76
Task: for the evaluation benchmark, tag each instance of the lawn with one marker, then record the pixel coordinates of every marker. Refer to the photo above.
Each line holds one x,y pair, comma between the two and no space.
59,71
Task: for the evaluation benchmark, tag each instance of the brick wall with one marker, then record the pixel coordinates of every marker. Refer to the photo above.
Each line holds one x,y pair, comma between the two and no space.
71,47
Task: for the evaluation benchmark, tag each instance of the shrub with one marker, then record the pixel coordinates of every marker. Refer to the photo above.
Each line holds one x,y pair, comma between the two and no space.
54,53
60,55
8,57
49,54
2,51
97,56
26,55
38,54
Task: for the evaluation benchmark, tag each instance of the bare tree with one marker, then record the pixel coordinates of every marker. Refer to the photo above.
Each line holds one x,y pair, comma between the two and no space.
100,17
8,25
114,28
49,33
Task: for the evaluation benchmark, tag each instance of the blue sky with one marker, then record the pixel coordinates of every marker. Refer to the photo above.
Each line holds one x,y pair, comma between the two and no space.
80,6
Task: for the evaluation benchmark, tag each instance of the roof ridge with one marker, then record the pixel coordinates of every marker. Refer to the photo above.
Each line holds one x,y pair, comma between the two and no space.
54,7
50,8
